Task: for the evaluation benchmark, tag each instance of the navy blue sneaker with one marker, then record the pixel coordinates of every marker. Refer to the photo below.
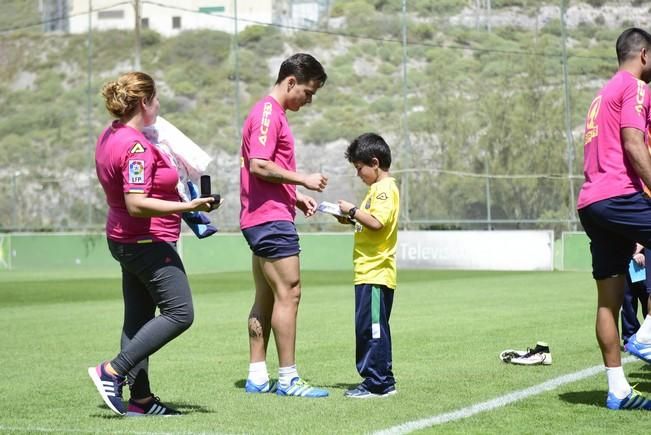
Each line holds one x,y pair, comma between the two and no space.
633,401
360,392
268,387
300,388
640,350
152,408
109,387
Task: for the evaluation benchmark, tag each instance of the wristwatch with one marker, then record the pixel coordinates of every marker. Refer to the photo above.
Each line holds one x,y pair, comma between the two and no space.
351,212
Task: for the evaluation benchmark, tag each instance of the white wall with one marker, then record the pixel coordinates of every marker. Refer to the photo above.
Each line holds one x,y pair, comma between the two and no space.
160,17
484,250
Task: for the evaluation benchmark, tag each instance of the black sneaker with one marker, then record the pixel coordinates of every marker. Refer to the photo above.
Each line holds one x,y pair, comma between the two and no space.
109,387
152,408
360,392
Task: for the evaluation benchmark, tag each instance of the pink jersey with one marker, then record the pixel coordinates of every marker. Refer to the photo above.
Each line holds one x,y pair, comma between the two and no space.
126,162
622,103
266,135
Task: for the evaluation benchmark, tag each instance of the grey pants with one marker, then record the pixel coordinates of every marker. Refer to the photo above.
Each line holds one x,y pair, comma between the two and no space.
152,276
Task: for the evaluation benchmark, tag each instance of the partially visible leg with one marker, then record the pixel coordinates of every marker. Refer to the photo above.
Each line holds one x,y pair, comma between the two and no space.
630,323
609,301
260,315
160,269
283,276
259,326
139,308
373,337
643,334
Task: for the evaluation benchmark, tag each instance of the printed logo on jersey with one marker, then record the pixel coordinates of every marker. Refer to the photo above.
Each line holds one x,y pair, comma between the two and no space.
368,204
264,123
591,127
136,171
382,196
639,98
137,148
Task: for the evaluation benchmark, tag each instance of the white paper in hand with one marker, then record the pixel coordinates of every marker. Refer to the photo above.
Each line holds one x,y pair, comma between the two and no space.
330,208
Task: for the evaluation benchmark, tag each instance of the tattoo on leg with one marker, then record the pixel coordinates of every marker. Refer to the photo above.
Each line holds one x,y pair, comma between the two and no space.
255,327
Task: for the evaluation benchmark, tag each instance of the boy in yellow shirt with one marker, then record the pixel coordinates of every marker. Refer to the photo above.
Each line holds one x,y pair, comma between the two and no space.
374,260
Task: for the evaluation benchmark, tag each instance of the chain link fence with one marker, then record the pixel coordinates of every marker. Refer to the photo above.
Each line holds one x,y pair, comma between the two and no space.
482,104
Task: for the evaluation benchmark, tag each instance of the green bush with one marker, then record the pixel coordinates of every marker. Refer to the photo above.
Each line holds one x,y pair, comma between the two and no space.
263,40
427,8
383,104
206,47
596,3
149,37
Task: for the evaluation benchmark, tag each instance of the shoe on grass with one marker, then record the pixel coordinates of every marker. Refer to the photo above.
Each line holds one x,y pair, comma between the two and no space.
539,355
268,387
300,388
634,400
361,392
152,408
639,350
109,387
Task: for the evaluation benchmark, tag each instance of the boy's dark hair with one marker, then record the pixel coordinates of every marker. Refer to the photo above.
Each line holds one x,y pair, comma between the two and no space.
368,146
304,67
630,42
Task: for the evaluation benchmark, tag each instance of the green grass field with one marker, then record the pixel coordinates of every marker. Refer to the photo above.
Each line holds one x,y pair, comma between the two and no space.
448,328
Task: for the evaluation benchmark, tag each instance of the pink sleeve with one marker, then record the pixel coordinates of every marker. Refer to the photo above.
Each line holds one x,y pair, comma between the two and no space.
635,106
138,165
264,131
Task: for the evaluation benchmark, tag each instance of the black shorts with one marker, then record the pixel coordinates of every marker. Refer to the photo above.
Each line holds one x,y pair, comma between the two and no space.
613,226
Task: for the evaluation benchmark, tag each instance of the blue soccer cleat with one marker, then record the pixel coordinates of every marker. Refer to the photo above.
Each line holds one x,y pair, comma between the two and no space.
639,350
300,388
268,387
633,401
109,387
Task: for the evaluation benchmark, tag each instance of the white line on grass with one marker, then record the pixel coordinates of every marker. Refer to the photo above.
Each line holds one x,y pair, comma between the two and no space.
498,402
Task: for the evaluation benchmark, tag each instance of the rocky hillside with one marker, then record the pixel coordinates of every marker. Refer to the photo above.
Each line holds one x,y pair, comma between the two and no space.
484,95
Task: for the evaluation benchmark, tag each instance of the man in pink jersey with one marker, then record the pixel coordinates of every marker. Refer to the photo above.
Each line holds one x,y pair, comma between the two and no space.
614,210
269,199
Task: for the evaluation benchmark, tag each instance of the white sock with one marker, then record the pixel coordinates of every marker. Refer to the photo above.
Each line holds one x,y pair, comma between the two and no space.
286,374
258,373
617,383
644,333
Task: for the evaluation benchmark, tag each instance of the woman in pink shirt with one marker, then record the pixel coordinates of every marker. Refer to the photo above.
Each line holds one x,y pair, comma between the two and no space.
142,228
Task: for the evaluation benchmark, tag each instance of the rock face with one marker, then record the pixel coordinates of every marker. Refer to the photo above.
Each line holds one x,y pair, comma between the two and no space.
609,15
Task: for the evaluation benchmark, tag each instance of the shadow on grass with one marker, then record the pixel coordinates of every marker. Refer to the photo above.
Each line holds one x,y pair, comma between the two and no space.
184,408
241,383
593,398
343,385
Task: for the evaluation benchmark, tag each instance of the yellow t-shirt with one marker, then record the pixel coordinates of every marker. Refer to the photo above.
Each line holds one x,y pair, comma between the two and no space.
374,253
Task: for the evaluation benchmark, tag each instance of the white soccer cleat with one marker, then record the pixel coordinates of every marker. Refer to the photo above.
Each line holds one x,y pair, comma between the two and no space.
539,355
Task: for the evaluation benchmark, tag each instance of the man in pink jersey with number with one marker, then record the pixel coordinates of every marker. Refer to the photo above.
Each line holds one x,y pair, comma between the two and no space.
614,210
269,199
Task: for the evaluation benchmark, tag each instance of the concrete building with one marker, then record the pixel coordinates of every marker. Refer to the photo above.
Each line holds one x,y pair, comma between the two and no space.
167,17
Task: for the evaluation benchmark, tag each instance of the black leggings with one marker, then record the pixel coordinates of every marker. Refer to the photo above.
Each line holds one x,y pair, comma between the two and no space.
152,276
